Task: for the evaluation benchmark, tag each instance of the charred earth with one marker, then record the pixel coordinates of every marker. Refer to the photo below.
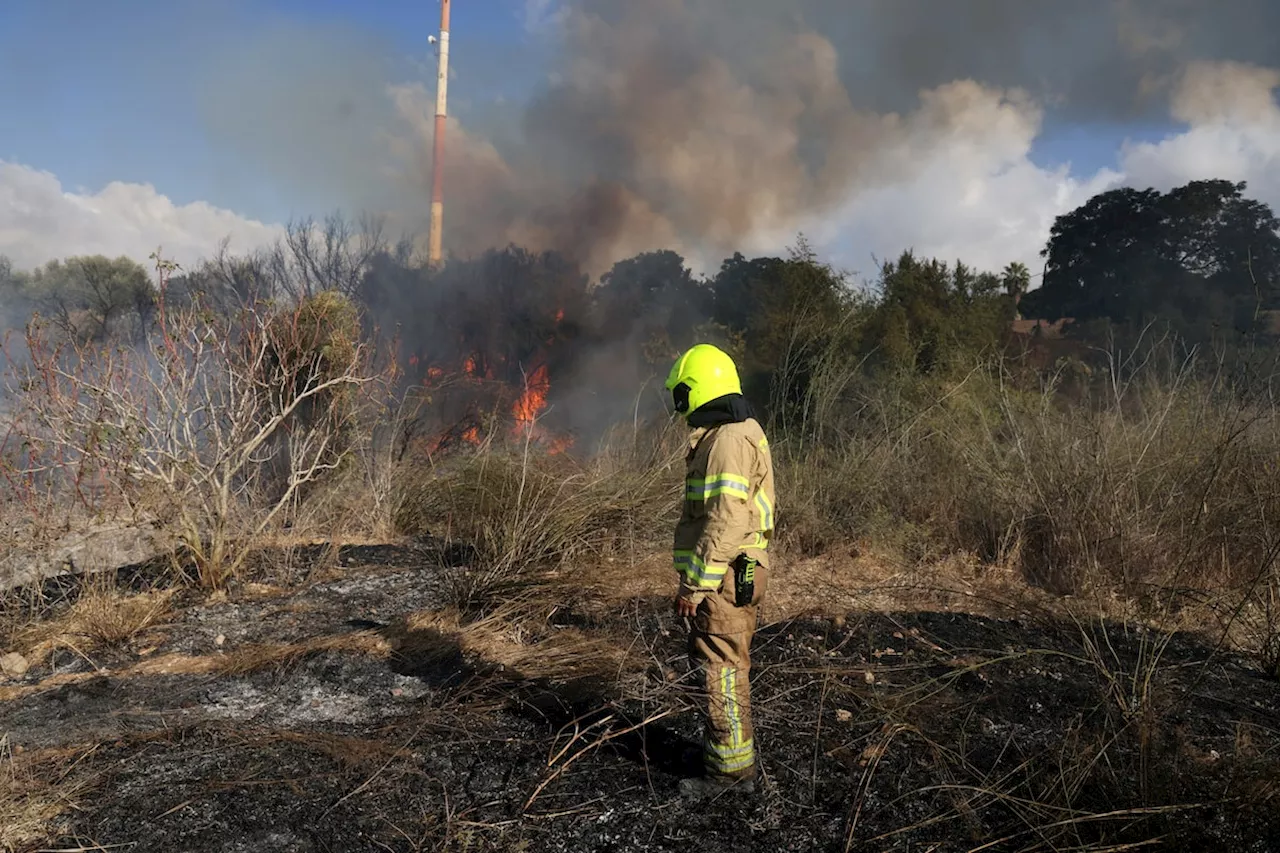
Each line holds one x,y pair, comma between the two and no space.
341,704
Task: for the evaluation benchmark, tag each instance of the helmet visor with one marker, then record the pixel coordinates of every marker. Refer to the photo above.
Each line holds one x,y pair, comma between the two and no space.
680,398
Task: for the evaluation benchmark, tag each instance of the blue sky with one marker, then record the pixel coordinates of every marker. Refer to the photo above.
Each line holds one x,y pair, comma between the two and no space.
96,92
101,91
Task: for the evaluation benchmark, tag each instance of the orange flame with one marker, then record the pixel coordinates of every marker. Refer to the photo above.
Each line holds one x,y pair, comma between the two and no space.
559,445
533,400
471,435
531,404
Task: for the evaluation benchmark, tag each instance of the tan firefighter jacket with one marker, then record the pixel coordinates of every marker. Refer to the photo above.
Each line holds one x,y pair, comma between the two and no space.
728,510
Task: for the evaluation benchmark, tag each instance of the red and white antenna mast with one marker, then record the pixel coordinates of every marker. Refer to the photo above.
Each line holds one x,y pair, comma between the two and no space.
437,151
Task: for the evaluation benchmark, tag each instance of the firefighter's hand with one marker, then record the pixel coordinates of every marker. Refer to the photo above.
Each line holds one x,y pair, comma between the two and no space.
685,607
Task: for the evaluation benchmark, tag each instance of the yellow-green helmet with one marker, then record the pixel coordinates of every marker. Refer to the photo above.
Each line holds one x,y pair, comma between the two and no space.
704,373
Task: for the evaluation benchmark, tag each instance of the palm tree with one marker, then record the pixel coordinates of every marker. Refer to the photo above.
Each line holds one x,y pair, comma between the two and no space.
1016,279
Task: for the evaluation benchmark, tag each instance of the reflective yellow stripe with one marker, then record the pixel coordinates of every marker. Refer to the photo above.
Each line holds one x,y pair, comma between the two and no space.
703,576
761,537
766,511
696,571
730,765
723,752
720,484
739,753
729,683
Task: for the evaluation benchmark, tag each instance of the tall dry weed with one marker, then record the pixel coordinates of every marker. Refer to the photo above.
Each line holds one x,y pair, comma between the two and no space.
522,511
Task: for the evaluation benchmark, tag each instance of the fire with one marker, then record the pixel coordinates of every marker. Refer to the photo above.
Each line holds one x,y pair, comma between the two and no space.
530,404
533,400
559,444
487,372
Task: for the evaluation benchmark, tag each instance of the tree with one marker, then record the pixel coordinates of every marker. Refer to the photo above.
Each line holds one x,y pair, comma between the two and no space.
1200,255
333,256
92,298
654,299
1016,280
797,318
931,314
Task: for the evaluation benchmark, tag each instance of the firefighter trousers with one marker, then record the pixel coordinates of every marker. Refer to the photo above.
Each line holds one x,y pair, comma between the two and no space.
725,664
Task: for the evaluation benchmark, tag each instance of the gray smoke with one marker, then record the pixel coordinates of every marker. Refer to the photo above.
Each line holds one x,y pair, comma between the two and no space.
1094,59
715,125
702,124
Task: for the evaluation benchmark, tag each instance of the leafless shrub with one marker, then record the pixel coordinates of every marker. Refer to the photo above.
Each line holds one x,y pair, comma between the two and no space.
214,431
312,258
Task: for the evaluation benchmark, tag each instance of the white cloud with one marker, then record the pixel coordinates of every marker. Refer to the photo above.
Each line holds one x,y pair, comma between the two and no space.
40,221
975,193
970,193
1233,133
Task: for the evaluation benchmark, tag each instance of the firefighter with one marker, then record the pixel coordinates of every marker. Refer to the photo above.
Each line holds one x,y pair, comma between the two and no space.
721,554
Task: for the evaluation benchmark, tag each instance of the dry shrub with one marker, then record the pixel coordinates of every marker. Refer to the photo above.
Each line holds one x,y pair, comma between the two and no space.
214,432
886,471
524,511
1157,481
100,618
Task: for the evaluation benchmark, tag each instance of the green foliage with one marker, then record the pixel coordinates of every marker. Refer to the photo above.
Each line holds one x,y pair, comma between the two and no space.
1016,280
90,298
310,347
932,318
794,320
653,298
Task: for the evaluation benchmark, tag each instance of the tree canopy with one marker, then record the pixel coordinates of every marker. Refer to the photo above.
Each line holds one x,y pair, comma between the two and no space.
89,297
1202,256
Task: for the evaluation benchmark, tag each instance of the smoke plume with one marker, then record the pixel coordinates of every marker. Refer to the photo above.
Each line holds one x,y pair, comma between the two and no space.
715,125
711,126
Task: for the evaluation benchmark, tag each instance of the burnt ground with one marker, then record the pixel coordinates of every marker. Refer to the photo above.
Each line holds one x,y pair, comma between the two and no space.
916,731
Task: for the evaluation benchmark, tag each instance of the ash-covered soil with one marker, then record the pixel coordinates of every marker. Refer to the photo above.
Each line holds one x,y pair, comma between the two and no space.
905,731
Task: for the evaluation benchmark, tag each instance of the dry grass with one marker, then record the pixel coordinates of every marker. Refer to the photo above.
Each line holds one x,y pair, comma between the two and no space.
517,639
242,660
255,657
524,512
1154,485
35,792
100,618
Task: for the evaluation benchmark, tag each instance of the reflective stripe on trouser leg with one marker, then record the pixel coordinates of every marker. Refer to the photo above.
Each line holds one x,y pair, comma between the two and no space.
729,746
